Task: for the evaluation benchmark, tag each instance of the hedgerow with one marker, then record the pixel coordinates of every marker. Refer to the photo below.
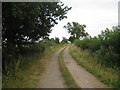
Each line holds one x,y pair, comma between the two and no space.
105,46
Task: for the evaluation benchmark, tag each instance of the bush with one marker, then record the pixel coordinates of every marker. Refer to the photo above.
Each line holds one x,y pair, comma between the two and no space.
21,56
107,56
106,46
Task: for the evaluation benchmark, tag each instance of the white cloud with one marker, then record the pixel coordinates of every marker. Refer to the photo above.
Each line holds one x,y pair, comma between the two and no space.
97,15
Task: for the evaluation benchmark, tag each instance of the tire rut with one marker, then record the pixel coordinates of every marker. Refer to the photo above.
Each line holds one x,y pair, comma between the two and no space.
82,77
52,77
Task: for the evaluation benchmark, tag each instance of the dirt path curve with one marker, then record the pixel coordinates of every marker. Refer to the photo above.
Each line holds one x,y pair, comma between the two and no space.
83,78
52,77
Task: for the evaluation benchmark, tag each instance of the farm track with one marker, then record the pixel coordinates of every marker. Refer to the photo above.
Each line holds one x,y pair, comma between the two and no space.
82,77
52,77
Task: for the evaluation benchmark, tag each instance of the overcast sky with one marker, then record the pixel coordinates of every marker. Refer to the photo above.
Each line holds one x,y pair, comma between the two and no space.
97,15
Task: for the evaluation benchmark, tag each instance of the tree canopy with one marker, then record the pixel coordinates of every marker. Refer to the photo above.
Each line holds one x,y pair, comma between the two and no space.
105,45
64,40
25,22
76,30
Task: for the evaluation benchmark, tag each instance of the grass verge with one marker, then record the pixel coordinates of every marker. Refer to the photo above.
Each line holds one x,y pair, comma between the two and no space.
107,75
28,76
69,81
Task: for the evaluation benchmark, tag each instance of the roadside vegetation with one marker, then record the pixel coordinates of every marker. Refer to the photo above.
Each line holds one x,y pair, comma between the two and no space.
107,75
69,81
100,55
26,45
27,71
105,46
25,40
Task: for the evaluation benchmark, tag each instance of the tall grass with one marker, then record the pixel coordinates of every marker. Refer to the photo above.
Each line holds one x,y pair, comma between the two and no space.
105,74
105,45
28,69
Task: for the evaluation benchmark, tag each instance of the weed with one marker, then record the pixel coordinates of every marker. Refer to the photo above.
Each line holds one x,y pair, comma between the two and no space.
65,73
107,75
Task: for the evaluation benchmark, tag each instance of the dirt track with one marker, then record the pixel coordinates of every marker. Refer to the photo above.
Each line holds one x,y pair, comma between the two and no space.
52,77
83,78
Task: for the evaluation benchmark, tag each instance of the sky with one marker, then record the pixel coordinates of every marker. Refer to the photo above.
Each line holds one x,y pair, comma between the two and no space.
97,15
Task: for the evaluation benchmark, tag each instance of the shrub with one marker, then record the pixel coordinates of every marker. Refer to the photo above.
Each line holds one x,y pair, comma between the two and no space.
106,46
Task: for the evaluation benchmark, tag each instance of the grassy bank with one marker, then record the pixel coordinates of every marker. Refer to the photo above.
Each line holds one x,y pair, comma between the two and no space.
107,75
28,75
69,81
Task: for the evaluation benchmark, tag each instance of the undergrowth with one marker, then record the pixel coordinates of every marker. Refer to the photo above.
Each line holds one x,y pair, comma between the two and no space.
27,71
107,75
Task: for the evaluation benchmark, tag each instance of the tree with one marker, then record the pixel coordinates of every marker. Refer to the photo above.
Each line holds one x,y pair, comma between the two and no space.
57,40
64,40
71,39
25,23
76,30
52,39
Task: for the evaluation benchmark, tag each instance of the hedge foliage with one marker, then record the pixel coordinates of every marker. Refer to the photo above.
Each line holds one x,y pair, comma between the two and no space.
106,46
13,56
